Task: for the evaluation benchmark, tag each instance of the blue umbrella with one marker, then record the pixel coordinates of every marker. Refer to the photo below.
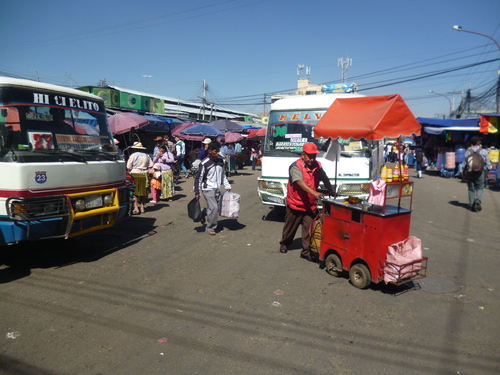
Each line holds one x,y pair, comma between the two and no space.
202,129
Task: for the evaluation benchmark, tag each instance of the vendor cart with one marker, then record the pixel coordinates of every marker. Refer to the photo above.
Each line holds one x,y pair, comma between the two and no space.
357,236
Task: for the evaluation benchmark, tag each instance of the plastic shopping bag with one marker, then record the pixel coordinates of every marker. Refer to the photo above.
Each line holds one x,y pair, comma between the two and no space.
229,205
404,260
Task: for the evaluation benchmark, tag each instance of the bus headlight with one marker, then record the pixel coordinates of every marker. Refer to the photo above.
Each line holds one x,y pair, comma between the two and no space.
108,200
80,205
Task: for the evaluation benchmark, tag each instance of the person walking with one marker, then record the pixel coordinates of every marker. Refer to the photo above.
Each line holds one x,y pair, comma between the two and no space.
305,175
180,151
419,161
210,176
476,162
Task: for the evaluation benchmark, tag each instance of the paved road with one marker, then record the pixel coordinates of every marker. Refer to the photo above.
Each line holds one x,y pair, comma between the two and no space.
156,295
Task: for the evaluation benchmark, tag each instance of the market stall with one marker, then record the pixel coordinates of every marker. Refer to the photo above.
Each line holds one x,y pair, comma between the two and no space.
370,239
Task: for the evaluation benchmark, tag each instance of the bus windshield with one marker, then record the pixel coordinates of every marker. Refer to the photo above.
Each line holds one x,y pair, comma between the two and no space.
285,137
288,131
29,126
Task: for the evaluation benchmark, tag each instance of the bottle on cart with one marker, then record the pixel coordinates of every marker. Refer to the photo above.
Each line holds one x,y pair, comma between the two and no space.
406,173
389,175
383,173
395,174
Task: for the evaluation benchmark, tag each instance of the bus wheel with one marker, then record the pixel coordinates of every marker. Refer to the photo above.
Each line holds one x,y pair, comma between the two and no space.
359,275
333,265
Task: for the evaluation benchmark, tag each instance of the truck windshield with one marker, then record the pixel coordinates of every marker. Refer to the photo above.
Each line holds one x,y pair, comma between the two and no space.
29,126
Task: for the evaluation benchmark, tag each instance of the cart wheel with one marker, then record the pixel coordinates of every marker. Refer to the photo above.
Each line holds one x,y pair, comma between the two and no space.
333,265
359,275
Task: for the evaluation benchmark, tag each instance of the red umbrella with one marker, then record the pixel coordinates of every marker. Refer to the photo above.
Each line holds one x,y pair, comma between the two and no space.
122,122
257,133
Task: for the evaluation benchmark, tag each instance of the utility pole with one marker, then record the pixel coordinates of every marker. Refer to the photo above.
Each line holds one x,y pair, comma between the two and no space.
204,100
345,64
459,28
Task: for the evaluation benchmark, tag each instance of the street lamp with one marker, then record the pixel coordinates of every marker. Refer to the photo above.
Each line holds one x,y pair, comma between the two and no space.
459,28
449,101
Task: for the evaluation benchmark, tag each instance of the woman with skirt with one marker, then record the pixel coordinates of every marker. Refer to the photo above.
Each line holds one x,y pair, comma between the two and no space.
138,165
165,158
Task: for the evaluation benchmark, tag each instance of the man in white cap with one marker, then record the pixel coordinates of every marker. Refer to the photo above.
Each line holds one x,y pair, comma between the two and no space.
204,147
305,175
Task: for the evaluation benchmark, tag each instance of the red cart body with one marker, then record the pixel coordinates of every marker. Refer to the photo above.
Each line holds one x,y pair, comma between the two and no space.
354,237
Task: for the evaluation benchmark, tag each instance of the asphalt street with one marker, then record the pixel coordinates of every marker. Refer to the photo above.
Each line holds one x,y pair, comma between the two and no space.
157,295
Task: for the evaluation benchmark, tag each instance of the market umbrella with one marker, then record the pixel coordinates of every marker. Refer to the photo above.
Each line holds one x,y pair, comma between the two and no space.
122,122
232,137
202,130
257,133
177,131
227,126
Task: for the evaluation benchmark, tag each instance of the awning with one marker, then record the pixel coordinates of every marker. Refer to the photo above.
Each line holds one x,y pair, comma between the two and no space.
370,117
448,122
440,129
438,126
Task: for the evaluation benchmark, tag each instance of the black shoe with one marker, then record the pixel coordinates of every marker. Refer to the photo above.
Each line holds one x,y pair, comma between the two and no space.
477,206
283,249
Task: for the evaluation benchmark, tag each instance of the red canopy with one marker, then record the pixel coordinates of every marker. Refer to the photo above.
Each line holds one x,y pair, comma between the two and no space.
371,118
255,133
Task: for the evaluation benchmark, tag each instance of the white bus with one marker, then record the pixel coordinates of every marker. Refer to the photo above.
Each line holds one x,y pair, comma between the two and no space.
291,124
61,175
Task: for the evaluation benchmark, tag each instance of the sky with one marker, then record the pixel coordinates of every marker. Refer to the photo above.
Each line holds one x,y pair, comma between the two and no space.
247,50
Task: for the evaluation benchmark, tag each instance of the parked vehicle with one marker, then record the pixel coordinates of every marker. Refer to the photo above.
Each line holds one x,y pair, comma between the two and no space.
61,173
291,124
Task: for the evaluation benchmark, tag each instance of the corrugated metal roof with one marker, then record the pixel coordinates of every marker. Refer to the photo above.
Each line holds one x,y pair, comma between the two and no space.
178,106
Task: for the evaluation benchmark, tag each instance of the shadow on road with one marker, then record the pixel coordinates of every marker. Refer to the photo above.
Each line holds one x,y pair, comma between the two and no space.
17,261
459,204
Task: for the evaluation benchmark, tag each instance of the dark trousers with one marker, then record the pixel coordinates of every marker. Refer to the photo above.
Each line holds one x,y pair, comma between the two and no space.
293,219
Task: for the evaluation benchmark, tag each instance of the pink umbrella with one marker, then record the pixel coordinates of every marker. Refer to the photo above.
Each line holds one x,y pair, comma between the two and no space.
122,122
232,137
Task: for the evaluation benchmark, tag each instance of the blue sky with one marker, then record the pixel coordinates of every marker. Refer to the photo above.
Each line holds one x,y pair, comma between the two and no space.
247,48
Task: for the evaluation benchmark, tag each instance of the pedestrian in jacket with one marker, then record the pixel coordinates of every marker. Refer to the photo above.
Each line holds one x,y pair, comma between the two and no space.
211,175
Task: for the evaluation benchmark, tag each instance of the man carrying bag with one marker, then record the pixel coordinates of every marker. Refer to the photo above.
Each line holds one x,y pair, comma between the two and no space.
211,175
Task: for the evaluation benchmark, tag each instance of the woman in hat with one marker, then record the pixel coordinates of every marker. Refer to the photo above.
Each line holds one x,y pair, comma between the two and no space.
138,165
159,142
165,160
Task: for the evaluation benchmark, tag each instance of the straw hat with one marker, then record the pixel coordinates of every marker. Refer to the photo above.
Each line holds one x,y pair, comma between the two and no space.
206,141
138,145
